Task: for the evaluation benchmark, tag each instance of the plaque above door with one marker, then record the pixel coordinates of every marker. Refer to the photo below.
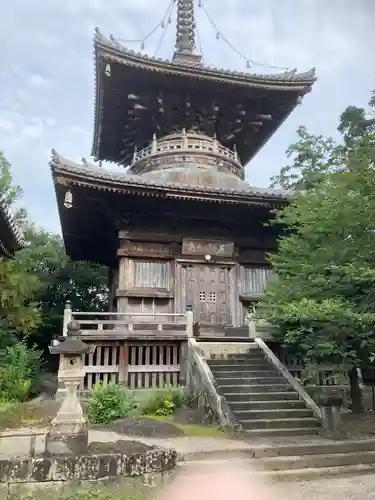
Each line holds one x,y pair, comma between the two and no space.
201,247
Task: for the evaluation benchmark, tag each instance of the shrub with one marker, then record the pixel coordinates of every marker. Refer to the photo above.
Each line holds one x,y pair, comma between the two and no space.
165,402
108,402
19,373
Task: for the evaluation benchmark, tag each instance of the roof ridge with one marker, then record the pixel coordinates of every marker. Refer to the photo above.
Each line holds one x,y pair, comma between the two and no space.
59,162
114,43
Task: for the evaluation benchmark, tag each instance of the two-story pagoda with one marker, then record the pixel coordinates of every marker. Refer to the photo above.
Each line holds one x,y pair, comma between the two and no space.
180,227
11,238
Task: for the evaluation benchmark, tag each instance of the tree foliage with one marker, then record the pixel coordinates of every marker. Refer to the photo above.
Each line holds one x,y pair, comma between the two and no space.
323,300
39,280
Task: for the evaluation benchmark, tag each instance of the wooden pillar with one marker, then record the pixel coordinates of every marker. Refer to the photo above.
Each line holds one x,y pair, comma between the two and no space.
123,364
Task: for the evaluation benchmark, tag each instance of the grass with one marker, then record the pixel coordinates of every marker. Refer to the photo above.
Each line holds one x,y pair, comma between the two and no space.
14,416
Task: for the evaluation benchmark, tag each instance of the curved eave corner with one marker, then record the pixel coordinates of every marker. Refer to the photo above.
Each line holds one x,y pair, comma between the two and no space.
98,178
15,234
111,46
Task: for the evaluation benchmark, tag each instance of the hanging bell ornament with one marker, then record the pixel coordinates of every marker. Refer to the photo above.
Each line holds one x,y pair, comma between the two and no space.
217,36
143,46
162,24
248,65
200,3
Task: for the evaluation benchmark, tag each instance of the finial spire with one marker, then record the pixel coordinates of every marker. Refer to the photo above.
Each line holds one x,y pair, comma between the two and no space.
185,35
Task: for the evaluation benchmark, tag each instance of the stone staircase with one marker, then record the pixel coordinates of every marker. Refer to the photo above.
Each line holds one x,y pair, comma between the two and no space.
260,398
306,460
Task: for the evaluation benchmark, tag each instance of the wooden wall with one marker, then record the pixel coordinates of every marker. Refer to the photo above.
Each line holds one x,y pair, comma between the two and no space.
152,275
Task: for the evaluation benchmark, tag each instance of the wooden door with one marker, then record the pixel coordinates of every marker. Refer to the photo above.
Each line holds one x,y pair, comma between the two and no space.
207,291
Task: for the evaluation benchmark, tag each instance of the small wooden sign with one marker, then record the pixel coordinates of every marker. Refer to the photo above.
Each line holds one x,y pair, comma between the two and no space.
145,249
216,248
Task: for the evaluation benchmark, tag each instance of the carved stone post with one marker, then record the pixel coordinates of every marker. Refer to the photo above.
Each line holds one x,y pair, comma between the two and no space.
67,316
332,426
68,430
189,321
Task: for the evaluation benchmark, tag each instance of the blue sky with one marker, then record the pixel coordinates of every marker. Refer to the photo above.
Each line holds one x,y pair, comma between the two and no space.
47,74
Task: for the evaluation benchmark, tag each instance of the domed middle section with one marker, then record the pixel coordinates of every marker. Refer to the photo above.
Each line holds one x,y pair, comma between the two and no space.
189,158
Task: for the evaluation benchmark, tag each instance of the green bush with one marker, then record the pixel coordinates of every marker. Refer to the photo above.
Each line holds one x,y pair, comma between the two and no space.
19,372
165,402
108,402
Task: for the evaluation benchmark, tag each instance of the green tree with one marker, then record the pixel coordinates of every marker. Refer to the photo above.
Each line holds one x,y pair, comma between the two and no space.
39,280
61,279
323,300
312,157
19,314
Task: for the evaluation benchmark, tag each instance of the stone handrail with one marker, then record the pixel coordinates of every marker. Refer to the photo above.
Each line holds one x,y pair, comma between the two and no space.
199,380
289,377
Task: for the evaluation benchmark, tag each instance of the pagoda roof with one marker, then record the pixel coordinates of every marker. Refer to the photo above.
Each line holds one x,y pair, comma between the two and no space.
11,237
138,95
89,175
93,201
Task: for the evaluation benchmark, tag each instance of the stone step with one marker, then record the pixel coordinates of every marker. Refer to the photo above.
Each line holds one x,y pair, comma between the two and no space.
321,460
263,363
211,467
246,372
267,405
224,381
251,354
319,447
282,432
254,388
270,414
279,423
251,396
300,447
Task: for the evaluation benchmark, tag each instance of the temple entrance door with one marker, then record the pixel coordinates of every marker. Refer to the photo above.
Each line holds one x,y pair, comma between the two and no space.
207,291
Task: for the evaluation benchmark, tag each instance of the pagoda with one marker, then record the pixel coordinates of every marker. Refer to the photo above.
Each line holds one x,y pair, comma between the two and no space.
180,228
11,239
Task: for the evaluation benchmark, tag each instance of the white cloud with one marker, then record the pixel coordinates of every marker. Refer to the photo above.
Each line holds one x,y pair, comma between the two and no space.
38,81
6,125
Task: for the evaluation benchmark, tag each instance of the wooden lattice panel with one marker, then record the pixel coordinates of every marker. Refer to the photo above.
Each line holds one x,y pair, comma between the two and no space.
153,366
102,366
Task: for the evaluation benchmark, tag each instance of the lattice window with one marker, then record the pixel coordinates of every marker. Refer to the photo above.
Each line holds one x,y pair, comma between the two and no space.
212,297
148,274
256,279
202,296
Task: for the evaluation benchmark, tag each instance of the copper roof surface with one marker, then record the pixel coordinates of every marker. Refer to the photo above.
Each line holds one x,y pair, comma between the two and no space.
117,49
102,179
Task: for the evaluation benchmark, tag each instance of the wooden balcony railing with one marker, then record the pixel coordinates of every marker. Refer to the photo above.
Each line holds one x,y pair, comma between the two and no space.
118,324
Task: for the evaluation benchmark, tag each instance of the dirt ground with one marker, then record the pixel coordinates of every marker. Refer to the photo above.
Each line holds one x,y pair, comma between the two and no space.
186,421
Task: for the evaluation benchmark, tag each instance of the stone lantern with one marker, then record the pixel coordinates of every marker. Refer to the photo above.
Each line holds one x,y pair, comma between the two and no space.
68,430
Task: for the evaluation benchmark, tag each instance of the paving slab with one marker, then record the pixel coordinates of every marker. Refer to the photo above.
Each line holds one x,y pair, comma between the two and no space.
342,488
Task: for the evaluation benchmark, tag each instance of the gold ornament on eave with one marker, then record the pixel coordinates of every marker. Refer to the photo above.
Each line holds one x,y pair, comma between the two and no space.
68,199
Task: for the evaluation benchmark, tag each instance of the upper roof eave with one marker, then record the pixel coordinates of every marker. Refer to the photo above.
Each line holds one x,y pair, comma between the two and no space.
101,179
288,80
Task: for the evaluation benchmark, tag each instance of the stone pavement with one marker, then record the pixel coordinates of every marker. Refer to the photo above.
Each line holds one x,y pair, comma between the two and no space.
352,488
340,488
187,446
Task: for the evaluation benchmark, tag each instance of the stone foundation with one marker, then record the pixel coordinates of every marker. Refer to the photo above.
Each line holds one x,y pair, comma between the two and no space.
20,475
